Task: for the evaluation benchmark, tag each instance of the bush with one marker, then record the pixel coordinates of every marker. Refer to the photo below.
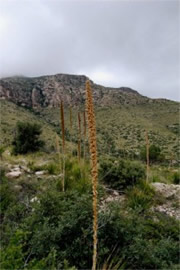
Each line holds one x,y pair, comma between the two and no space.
176,178
144,242
155,154
62,222
141,196
53,168
6,195
121,174
2,149
27,138
59,229
77,176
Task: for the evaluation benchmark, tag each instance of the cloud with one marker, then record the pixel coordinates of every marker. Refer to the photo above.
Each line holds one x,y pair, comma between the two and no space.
115,43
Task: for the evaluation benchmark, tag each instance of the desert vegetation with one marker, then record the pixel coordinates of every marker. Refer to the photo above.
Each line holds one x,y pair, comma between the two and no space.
82,199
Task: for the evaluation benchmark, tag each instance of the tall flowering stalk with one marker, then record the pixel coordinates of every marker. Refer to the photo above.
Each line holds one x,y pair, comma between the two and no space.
94,171
147,157
57,146
84,133
79,141
70,117
70,124
63,142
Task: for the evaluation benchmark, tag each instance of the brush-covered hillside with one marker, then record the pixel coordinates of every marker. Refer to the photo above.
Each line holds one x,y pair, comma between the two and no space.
122,114
47,204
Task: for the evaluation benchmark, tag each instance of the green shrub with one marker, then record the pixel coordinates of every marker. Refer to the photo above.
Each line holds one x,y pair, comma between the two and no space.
155,154
176,178
141,196
77,176
27,138
59,229
52,168
7,196
2,149
121,174
62,222
144,242
12,256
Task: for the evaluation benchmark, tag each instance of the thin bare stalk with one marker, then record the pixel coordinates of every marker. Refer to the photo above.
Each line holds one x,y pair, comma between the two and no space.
63,142
79,141
58,147
70,124
70,117
84,133
147,157
94,171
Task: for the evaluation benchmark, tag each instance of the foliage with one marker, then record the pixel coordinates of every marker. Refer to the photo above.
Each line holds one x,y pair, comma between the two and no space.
51,167
119,174
2,149
7,197
77,176
61,221
146,241
27,138
141,196
176,178
55,232
155,154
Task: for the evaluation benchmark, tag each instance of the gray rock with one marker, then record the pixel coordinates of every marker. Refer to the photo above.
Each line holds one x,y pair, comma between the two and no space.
13,174
38,173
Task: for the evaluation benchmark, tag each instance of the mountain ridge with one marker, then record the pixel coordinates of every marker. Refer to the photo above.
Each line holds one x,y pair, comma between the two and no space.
49,90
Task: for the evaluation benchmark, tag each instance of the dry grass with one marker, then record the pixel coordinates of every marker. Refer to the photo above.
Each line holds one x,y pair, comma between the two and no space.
94,171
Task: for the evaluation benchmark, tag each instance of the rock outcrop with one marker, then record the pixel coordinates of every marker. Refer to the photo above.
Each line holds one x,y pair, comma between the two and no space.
171,193
50,90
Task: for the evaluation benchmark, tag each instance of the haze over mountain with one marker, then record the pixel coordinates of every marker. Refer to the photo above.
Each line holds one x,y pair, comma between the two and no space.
115,43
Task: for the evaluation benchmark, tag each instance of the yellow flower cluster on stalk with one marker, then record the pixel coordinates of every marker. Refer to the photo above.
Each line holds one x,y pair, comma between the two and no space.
94,172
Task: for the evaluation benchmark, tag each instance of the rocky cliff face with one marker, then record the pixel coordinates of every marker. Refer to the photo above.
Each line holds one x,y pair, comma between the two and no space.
50,90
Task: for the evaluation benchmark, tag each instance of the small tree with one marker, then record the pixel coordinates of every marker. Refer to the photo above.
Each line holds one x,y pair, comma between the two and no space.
2,149
120,174
27,138
155,154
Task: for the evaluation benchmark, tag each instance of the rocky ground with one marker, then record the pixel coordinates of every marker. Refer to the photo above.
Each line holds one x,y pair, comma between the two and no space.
169,192
172,194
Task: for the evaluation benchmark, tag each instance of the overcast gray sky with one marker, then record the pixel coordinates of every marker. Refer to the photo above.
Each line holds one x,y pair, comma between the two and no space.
115,43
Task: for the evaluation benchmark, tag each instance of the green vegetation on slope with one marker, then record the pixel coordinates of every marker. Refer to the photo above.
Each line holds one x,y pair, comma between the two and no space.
45,228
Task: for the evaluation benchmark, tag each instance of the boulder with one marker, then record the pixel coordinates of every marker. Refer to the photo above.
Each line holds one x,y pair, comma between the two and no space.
13,174
40,173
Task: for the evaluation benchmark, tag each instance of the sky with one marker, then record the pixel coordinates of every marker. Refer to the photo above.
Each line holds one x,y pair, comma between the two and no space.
115,43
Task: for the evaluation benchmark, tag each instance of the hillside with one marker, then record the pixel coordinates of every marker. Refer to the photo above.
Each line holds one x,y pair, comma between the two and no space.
46,226
47,91
122,114
11,113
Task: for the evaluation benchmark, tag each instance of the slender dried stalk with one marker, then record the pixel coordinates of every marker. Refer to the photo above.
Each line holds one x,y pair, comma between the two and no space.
79,141
147,157
70,124
63,142
70,117
57,146
94,171
84,125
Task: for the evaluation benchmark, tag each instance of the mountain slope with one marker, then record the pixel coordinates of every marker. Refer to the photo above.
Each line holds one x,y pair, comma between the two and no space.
122,114
11,113
49,90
